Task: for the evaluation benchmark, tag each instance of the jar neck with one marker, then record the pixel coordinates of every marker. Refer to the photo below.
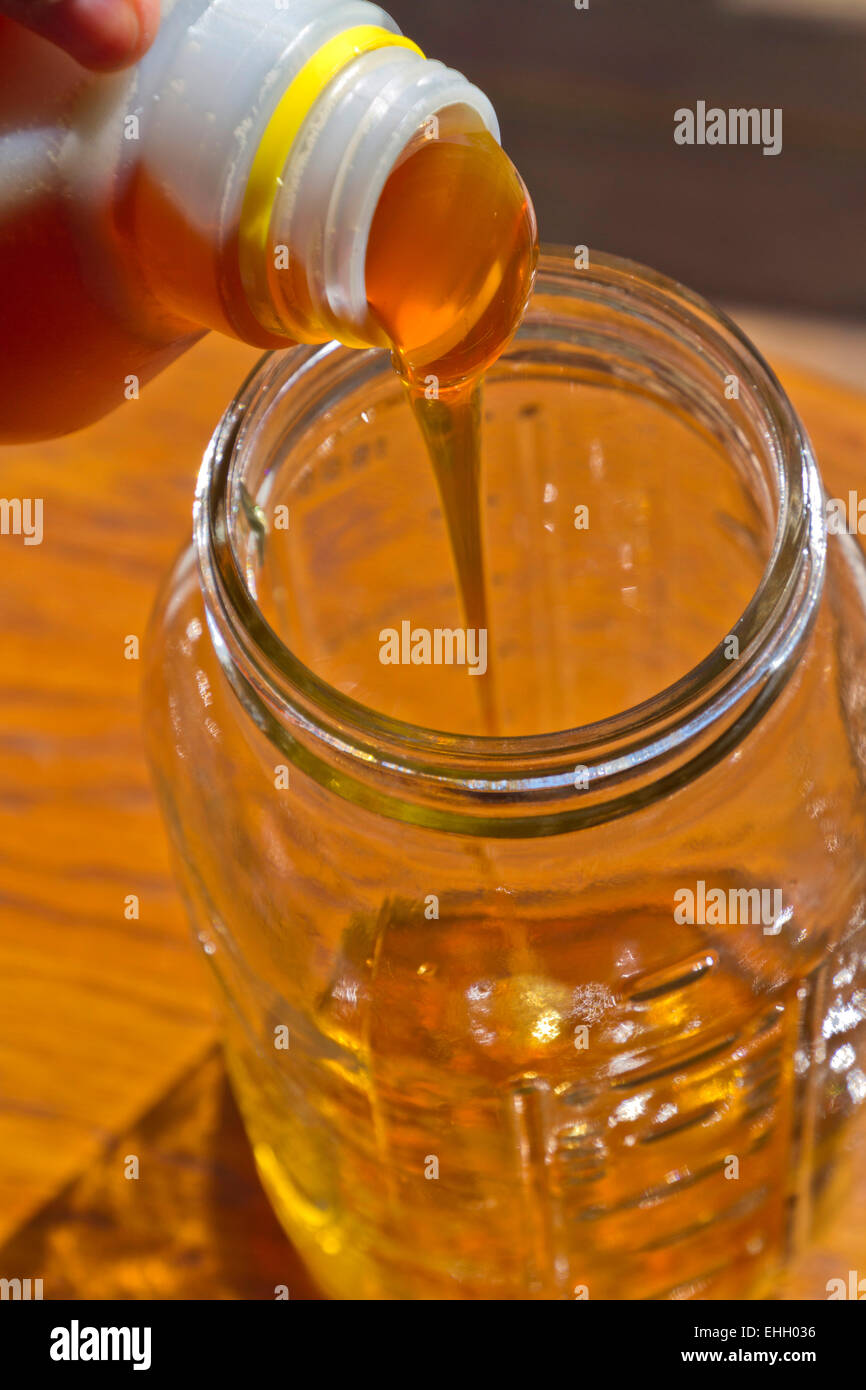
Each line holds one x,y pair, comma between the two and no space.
675,347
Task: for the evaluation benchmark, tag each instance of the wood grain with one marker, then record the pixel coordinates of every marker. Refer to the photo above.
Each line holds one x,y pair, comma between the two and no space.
98,1014
193,1224
106,1024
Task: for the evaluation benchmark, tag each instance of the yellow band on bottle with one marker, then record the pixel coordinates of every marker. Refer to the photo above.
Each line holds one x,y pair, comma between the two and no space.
279,136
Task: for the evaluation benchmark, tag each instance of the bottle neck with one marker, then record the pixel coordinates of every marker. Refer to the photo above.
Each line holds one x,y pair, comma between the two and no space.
370,116
257,154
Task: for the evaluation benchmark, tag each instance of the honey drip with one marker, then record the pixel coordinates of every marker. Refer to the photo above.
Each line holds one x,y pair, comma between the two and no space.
450,266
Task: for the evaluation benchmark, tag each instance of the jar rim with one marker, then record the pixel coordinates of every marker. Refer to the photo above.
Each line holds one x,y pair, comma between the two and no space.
524,785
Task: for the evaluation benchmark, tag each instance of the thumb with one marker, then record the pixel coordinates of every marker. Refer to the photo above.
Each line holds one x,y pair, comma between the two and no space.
100,34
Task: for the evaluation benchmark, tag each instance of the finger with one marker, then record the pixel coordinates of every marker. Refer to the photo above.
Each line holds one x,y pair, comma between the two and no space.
100,34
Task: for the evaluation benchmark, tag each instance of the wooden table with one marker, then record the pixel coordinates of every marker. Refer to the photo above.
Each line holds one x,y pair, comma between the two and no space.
107,1029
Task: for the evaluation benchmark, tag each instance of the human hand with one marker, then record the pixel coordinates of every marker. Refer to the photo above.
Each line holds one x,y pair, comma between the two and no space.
100,34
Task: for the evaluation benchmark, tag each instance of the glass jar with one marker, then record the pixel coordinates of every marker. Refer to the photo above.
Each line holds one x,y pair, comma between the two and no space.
576,1010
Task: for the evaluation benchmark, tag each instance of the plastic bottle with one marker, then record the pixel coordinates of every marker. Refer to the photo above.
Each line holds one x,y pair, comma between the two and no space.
228,181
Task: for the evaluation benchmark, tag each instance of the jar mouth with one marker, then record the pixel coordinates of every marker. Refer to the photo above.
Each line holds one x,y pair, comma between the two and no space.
527,784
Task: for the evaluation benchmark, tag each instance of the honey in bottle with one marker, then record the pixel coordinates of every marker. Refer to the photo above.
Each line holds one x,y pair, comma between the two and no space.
228,181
